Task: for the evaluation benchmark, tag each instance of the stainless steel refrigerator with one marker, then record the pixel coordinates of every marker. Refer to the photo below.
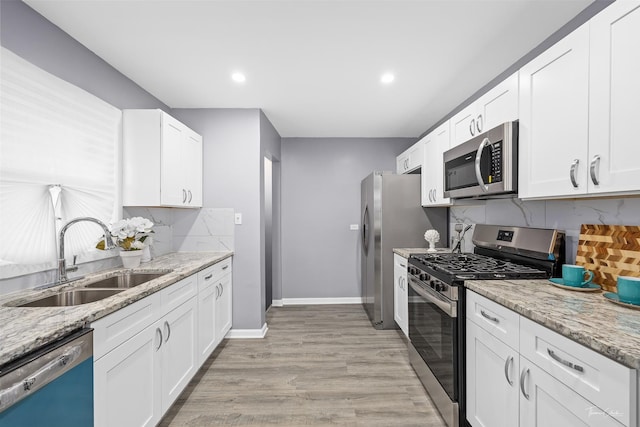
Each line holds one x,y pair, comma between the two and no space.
392,217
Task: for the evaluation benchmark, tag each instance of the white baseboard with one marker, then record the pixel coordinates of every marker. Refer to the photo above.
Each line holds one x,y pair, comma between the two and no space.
247,333
276,303
317,301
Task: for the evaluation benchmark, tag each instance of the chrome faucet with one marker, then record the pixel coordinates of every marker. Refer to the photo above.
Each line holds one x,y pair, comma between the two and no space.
62,264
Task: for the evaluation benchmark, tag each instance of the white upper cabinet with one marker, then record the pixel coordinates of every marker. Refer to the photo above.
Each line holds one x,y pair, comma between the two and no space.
410,159
498,105
577,105
435,144
554,111
162,161
614,99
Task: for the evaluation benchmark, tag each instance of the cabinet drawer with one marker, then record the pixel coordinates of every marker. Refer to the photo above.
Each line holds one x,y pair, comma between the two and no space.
498,320
399,262
176,294
212,273
114,329
602,381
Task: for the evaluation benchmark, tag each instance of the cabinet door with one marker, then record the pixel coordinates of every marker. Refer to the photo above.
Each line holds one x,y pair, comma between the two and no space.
402,163
192,164
433,170
127,383
400,297
179,351
492,380
500,104
172,186
546,402
464,125
223,307
615,98
206,322
554,106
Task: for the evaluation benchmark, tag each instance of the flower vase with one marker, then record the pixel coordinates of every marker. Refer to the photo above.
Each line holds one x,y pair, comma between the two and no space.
131,259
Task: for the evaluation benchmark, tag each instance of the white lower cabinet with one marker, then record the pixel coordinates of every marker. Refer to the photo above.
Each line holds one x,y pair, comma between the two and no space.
214,307
400,293
127,383
146,353
492,380
540,378
179,351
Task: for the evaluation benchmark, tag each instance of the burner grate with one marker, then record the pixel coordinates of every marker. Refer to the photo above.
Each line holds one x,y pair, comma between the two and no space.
473,266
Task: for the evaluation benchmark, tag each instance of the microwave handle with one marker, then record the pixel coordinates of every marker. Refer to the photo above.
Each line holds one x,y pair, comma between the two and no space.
485,142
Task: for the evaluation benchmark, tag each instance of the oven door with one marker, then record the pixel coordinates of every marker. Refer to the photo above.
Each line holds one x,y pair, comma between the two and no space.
433,332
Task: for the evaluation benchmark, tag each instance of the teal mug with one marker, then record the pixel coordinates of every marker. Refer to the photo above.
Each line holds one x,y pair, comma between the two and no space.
573,275
629,289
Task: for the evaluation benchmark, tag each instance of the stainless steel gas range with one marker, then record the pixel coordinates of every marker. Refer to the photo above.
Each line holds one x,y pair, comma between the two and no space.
437,302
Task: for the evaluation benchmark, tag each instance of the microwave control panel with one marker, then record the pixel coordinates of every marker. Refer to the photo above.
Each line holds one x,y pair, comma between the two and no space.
496,163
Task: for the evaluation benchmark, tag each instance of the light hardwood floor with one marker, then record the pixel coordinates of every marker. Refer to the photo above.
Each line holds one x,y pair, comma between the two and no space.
318,365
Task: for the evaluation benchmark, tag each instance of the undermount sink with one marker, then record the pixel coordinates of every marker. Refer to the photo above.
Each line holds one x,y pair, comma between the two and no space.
124,280
75,297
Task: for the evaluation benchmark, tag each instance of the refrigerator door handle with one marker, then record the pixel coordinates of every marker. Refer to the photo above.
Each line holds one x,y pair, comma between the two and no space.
365,229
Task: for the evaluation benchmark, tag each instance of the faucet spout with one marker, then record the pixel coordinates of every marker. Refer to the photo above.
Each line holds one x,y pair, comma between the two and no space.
62,264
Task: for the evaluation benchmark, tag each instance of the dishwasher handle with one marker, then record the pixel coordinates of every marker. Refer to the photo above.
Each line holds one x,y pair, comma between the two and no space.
40,371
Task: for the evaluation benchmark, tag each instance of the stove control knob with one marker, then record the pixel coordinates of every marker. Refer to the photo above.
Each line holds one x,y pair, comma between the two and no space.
424,276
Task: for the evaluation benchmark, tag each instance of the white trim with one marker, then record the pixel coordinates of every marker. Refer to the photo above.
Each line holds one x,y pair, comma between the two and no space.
247,333
276,303
319,301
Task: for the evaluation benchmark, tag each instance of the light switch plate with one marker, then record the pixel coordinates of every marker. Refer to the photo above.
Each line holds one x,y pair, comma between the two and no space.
238,218
354,227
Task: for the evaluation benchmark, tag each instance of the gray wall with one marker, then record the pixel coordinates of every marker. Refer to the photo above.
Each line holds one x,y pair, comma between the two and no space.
270,147
232,177
30,36
320,199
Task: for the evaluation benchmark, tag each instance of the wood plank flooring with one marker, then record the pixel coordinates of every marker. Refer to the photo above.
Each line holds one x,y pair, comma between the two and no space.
318,365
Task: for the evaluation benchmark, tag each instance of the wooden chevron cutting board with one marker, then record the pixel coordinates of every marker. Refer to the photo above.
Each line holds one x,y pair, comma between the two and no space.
609,251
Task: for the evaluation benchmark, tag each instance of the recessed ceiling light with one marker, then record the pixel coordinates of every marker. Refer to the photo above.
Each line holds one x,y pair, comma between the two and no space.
387,78
238,77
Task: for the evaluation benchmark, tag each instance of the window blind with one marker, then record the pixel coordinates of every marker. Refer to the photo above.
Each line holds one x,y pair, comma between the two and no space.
59,159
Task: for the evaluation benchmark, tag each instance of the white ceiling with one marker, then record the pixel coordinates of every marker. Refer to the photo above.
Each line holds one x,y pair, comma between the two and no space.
313,66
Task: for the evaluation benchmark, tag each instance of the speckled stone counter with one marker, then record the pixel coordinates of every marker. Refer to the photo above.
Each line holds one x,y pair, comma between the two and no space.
587,318
407,252
23,329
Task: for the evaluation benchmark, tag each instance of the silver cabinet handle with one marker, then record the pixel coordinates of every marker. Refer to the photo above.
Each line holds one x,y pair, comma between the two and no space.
221,289
218,291
225,267
479,123
168,328
485,143
433,195
572,172
486,316
472,125
594,169
507,364
564,362
184,195
209,276
522,376
159,333
190,196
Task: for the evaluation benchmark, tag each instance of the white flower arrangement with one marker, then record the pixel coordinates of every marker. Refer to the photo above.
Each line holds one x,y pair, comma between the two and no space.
131,234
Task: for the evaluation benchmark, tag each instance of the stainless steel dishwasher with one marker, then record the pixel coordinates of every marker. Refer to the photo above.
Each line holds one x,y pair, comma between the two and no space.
51,387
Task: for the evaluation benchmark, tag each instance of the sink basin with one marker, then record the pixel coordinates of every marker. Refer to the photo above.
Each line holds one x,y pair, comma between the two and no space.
124,280
75,297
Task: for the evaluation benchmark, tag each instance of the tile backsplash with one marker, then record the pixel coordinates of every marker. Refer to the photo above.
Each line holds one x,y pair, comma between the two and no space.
566,215
206,229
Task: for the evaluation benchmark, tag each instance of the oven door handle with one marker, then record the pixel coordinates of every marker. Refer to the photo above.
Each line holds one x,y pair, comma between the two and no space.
485,143
449,307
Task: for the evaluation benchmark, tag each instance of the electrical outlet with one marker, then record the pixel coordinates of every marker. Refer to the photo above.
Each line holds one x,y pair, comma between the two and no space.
238,218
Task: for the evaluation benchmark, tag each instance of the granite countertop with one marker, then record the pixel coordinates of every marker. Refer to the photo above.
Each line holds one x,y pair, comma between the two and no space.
23,329
585,317
407,252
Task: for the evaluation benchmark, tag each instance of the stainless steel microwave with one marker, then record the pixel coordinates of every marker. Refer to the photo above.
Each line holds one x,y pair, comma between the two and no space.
485,166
